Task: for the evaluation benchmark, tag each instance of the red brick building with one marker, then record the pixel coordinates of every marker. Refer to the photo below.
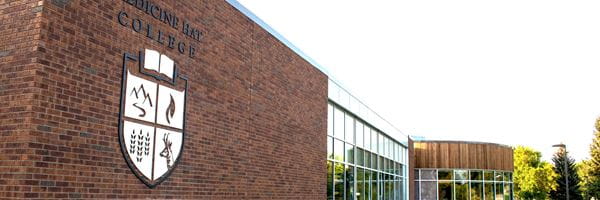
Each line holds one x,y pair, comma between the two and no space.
190,99
255,111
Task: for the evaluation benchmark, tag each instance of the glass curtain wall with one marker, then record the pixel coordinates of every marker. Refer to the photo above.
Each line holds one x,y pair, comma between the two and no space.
463,184
362,162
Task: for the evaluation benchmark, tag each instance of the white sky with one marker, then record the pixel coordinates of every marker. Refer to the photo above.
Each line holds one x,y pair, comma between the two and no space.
513,71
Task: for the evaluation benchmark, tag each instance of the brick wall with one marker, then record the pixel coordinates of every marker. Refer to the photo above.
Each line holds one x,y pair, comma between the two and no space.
19,52
256,112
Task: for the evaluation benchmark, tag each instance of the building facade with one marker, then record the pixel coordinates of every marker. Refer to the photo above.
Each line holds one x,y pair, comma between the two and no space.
193,99
463,171
254,113
367,158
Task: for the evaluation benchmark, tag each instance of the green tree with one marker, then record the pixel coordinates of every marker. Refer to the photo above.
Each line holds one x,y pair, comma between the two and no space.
590,185
589,170
595,151
564,166
533,178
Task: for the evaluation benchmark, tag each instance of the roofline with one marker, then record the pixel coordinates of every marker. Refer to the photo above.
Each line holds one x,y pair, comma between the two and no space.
276,34
237,5
461,142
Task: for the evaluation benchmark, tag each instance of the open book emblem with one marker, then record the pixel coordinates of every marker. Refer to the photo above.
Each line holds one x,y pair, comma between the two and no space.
152,115
159,63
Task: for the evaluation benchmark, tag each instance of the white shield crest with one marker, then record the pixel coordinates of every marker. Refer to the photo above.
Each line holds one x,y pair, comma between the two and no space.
152,117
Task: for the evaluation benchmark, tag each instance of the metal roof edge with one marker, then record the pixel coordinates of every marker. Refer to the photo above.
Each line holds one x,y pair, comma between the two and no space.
236,4
276,34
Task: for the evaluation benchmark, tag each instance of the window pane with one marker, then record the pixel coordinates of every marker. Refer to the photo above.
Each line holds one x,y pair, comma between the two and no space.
393,150
374,192
388,145
374,160
388,166
360,184
476,175
507,177
338,181
389,184
417,174
445,174
462,190
359,133
399,189
359,157
384,146
390,148
461,175
512,191
403,171
367,160
400,153
396,152
374,141
417,192
489,175
367,194
329,180
367,137
390,187
338,123
349,153
499,191
381,185
349,182
396,186
498,176
349,129
429,190
329,119
380,144
428,174
404,155
446,190
338,150
476,191
489,191
507,192
329,147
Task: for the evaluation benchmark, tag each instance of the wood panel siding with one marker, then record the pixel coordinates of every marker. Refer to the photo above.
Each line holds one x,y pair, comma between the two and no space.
463,155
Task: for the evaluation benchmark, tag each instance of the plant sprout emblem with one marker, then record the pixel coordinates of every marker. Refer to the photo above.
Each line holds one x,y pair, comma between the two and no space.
152,116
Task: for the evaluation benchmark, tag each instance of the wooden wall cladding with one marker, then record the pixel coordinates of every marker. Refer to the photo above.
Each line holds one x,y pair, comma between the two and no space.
463,155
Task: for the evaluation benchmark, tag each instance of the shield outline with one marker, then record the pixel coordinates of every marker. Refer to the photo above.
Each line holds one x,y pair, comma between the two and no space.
140,59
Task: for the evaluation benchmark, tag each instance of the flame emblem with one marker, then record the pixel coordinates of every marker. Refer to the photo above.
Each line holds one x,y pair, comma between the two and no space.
170,110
